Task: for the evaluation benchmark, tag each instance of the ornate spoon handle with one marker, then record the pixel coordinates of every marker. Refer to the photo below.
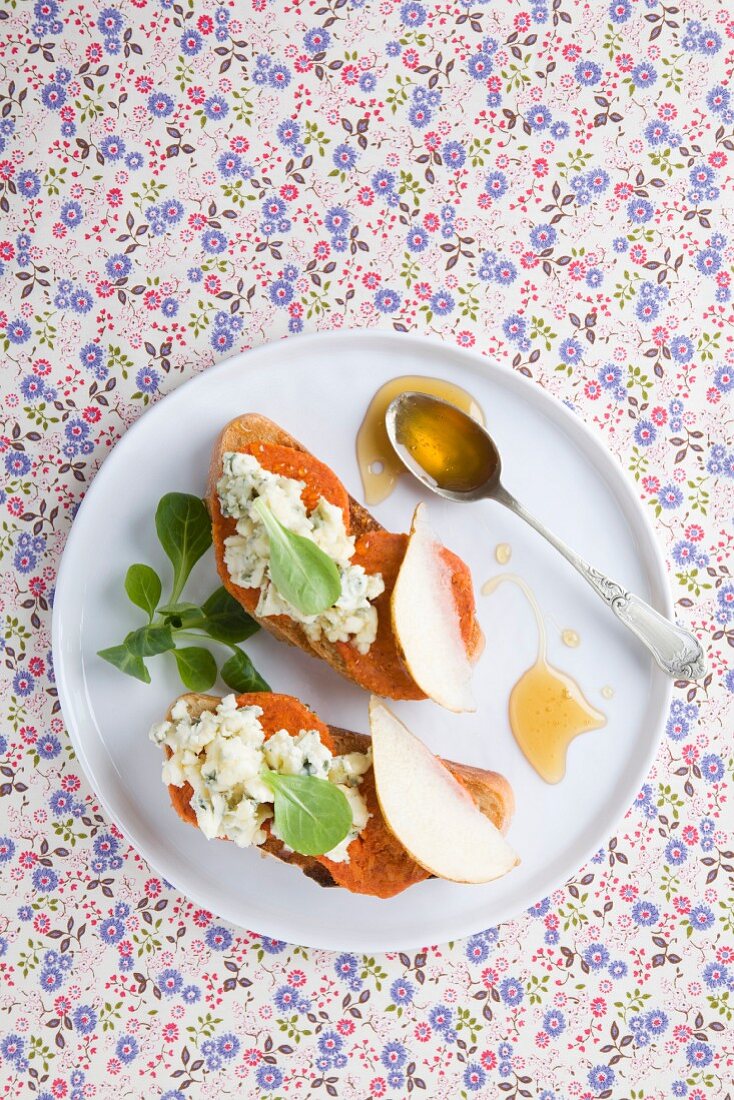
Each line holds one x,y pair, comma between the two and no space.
676,650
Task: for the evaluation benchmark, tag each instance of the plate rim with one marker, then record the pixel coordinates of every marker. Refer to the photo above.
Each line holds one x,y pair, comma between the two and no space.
560,413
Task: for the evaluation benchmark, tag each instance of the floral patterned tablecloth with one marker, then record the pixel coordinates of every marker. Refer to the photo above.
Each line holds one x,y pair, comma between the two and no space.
547,181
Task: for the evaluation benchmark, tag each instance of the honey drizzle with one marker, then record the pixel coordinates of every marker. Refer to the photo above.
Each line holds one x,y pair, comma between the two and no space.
547,709
502,553
379,466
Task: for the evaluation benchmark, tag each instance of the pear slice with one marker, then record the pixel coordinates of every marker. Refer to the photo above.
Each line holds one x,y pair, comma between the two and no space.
426,624
428,811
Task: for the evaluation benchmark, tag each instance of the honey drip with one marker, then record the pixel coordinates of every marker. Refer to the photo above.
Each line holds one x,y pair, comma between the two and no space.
502,552
547,708
379,466
607,692
570,638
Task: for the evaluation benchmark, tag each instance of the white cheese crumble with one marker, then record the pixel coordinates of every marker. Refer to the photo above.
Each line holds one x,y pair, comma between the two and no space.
222,754
352,618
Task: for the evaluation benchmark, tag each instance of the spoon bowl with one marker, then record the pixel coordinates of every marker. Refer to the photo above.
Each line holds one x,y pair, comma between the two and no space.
457,458
447,450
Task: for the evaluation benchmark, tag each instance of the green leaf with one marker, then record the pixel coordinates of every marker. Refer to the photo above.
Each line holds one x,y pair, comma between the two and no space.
185,533
240,674
149,640
177,608
300,570
143,587
196,667
127,662
312,815
225,620
182,616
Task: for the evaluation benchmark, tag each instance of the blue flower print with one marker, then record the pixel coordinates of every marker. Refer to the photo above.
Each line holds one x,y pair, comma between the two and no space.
147,380
219,938
699,1054
214,241
191,43
554,1022
413,14
645,913
344,156
588,73
474,1077
570,352
645,433
542,236
496,184
644,75
84,1019
402,991
511,991
17,331
601,1077
596,956
387,301
670,497
639,211
441,1018
216,108
160,105
269,1077
453,154
117,266
127,1049
393,1055
112,148
317,40
442,303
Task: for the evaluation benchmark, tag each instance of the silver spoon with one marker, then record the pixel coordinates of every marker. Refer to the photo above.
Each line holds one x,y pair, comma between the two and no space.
455,457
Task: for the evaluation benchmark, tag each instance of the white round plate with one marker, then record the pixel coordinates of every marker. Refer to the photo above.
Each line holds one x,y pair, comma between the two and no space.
318,387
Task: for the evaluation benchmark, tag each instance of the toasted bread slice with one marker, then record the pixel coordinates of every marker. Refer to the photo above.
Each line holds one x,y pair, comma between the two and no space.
378,864
381,670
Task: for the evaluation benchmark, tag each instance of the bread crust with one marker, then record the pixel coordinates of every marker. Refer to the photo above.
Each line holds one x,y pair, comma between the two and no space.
491,792
237,435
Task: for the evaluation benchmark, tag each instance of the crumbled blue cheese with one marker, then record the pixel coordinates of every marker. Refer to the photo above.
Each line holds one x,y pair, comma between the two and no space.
222,754
353,618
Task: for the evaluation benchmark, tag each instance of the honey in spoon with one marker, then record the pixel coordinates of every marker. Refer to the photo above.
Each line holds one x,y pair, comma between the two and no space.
547,708
379,466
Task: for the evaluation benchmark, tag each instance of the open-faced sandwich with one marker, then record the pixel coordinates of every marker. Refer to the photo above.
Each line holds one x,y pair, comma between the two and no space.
374,816
393,613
